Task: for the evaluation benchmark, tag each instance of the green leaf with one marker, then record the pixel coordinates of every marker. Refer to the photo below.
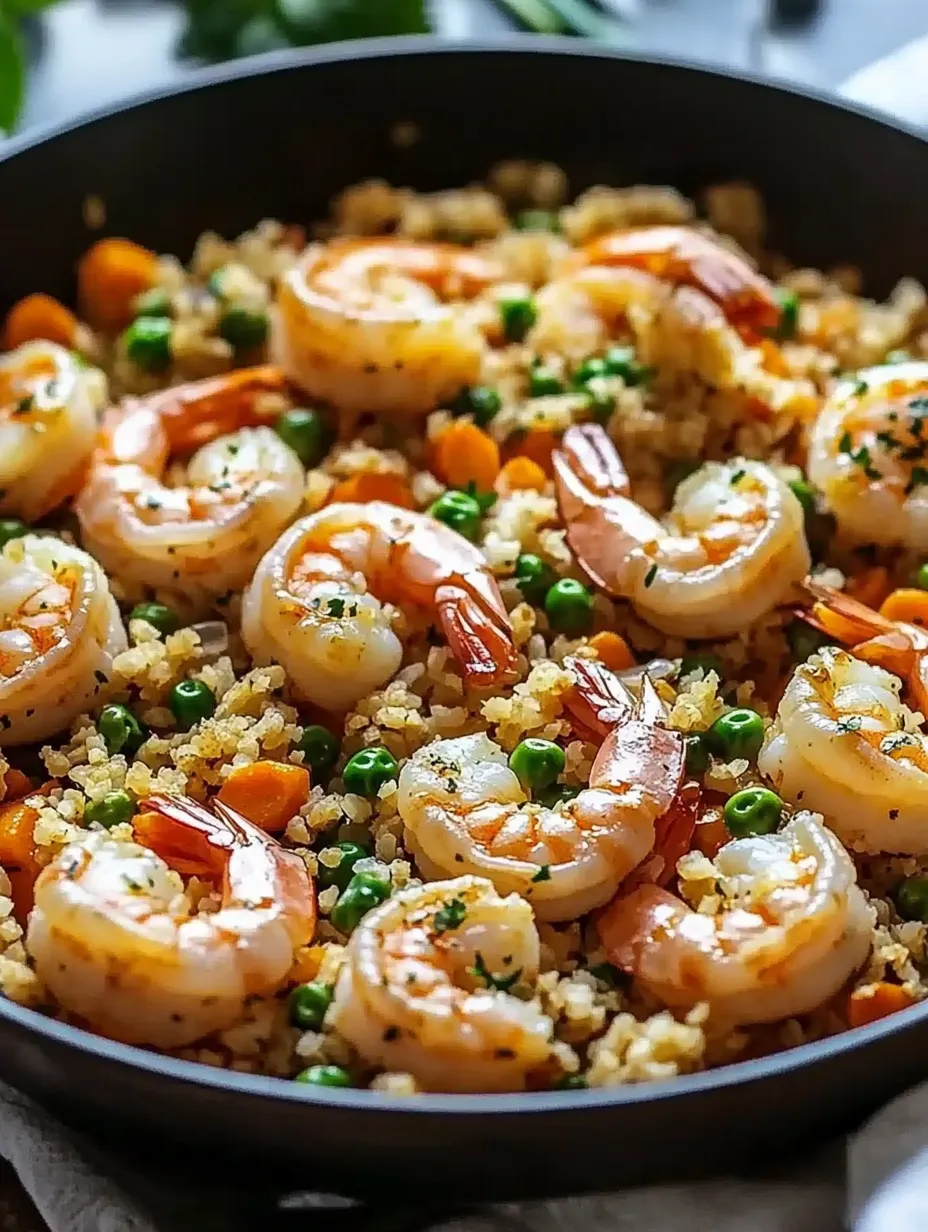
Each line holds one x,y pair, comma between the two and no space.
323,21
12,72
535,15
24,7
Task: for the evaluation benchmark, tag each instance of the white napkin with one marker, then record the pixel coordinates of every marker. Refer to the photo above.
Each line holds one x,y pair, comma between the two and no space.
79,1187
898,83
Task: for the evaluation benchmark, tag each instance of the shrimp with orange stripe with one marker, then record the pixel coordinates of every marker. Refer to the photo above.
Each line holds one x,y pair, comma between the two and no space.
200,537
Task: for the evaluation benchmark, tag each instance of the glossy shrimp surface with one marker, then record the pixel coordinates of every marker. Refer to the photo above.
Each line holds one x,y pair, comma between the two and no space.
868,454
686,257
204,535
315,603
464,809
377,324
60,630
424,988
732,547
47,428
845,745
791,927
114,939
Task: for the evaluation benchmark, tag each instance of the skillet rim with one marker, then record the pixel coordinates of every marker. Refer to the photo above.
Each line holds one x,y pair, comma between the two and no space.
197,1074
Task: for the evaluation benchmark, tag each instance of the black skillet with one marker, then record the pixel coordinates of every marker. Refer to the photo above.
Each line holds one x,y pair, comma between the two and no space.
276,138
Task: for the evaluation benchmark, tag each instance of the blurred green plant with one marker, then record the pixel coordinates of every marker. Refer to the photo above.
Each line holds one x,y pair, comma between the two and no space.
13,57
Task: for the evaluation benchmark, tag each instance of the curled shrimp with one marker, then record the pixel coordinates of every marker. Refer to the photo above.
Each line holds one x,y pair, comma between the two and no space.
868,454
464,809
47,428
114,940
686,257
424,988
792,926
308,606
844,744
60,630
243,485
377,324
732,547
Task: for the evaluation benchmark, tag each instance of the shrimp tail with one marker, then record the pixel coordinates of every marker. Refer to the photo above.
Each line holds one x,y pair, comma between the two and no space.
674,833
591,456
842,617
200,411
598,701
184,834
478,633
626,927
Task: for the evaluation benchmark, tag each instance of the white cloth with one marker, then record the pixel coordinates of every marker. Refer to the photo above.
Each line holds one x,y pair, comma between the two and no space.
79,1187
898,83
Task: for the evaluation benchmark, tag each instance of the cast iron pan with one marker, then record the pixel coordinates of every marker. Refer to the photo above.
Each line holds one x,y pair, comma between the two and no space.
276,138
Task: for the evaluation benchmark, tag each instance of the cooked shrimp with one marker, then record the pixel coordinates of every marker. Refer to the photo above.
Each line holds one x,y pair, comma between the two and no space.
47,428
845,745
243,485
793,925
308,606
733,546
464,810
868,453
60,630
422,989
114,940
686,257
378,325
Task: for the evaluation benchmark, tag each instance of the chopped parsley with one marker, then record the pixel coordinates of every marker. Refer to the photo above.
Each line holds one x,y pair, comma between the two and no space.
486,500
852,724
896,741
502,983
861,387
450,917
737,477
650,575
860,457
917,479
543,874
25,405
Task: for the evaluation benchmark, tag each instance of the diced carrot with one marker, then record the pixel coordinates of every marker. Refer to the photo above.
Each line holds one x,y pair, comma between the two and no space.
538,448
371,486
465,454
39,317
613,650
16,785
906,604
306,963
267,793
109,277
711,834
772,358
17,854
875,1001
870,587
520,474
846,630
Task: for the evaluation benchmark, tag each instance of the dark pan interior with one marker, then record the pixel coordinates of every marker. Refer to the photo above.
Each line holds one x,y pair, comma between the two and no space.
277,139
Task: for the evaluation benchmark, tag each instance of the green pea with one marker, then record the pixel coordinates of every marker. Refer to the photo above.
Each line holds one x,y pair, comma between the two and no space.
367,771
153,303
537,220
600,405
191,701
158,616
534,576
804,640
480,401
308,1003
708,663
324,1076
921,577
537,763
899,356
148,343
911,898
460,511
805,494
121,730
571,1082
622,361
343,871
306,432
610,975
362,894
518,314
739,733
697,753
243,328
214,284
756,810
679,470
569,606
11,528
320,751
589,370
560,793
789,313
113,809
543,383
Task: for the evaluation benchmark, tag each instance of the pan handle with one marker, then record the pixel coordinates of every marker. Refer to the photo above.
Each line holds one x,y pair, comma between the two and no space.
897,84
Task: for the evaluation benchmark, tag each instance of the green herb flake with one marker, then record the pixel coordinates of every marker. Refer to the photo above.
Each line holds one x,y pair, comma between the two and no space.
543,874
501,983
650,575
451,917
853,724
